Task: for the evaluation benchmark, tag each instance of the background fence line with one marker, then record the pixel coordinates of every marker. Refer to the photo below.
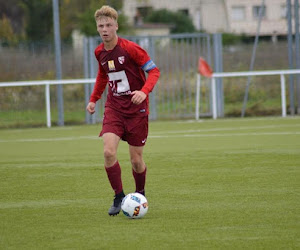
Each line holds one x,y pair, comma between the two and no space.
252,73
47,84
174,96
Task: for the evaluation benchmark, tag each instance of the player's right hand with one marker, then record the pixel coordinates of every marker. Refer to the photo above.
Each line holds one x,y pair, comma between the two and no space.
91,107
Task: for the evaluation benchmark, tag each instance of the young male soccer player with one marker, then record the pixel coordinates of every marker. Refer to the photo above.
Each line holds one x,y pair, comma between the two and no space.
122,64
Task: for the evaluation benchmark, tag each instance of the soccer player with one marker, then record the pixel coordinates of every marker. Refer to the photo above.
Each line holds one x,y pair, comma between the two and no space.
122,65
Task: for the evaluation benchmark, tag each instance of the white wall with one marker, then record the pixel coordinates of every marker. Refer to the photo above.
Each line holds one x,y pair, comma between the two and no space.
216,15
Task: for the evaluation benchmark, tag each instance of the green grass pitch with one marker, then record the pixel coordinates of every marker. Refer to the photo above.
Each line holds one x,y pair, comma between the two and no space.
224,184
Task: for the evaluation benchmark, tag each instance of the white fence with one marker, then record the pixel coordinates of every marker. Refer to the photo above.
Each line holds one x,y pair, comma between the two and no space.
282,74
47,84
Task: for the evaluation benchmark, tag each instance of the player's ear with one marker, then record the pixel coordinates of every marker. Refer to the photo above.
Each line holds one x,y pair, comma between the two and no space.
117,26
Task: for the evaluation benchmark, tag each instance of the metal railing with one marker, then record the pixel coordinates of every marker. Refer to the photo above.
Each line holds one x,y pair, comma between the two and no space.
282,73
48,83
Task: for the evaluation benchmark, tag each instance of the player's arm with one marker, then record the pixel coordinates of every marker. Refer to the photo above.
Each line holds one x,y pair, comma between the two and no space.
153,75
141,57
139,96
99,88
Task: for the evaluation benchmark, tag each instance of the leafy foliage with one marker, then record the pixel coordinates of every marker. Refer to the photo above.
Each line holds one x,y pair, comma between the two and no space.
230,39
86,21
39,20
180,23
6,31
34,18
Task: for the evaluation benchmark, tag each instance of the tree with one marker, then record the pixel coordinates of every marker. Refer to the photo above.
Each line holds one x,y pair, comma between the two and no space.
179,21
39,20
12,10
33,19
86,19
72,15
6,31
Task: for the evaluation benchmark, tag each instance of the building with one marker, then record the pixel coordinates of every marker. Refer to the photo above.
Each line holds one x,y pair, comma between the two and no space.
243,17
232,16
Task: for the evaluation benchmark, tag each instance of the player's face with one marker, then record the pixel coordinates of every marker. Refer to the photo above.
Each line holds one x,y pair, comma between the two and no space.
107,28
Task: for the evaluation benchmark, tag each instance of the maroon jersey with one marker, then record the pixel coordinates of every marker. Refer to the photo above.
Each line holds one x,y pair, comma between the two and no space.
123,68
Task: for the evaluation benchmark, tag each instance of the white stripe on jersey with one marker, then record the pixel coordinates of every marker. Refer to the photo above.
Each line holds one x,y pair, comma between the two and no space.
148,66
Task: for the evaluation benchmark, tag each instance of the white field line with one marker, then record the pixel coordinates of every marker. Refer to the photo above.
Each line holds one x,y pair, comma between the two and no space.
46,203
178,133
73,138
246,119
225,135
227,129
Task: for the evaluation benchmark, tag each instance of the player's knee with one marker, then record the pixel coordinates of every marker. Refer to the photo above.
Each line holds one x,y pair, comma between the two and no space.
109,154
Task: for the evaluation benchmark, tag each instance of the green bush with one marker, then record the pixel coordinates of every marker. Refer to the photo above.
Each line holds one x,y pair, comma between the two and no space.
180,23
230,39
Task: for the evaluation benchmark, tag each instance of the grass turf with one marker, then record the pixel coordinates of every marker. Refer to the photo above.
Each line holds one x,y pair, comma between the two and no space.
225,184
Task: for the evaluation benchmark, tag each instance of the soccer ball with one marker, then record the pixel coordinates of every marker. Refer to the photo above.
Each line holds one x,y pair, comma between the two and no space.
134,205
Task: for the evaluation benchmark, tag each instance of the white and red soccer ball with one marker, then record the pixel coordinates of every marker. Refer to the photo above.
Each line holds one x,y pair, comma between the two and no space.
134,205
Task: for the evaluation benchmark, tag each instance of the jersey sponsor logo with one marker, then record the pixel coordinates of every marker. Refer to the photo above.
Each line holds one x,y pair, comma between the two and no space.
121,59
111,65
142,110
118,83
123,93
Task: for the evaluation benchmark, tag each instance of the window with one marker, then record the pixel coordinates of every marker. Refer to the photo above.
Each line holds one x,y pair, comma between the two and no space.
185,11
256,10
198,20
238,13
283,11
144,11
141,13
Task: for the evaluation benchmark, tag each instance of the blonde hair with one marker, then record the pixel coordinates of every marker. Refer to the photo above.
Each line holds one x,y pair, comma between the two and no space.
106,11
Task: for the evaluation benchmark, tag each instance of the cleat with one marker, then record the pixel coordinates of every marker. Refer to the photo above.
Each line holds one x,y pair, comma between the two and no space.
116,206
141,192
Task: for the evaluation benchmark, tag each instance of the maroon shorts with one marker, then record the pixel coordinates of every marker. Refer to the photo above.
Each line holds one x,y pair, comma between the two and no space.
134,130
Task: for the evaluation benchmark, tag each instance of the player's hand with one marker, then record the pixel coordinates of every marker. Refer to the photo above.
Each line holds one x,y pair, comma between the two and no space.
138,97
91,107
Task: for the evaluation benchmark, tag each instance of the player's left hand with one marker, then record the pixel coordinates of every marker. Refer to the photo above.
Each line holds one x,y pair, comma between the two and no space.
138,97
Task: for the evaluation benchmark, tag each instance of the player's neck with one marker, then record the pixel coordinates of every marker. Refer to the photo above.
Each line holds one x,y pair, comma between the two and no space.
111,44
